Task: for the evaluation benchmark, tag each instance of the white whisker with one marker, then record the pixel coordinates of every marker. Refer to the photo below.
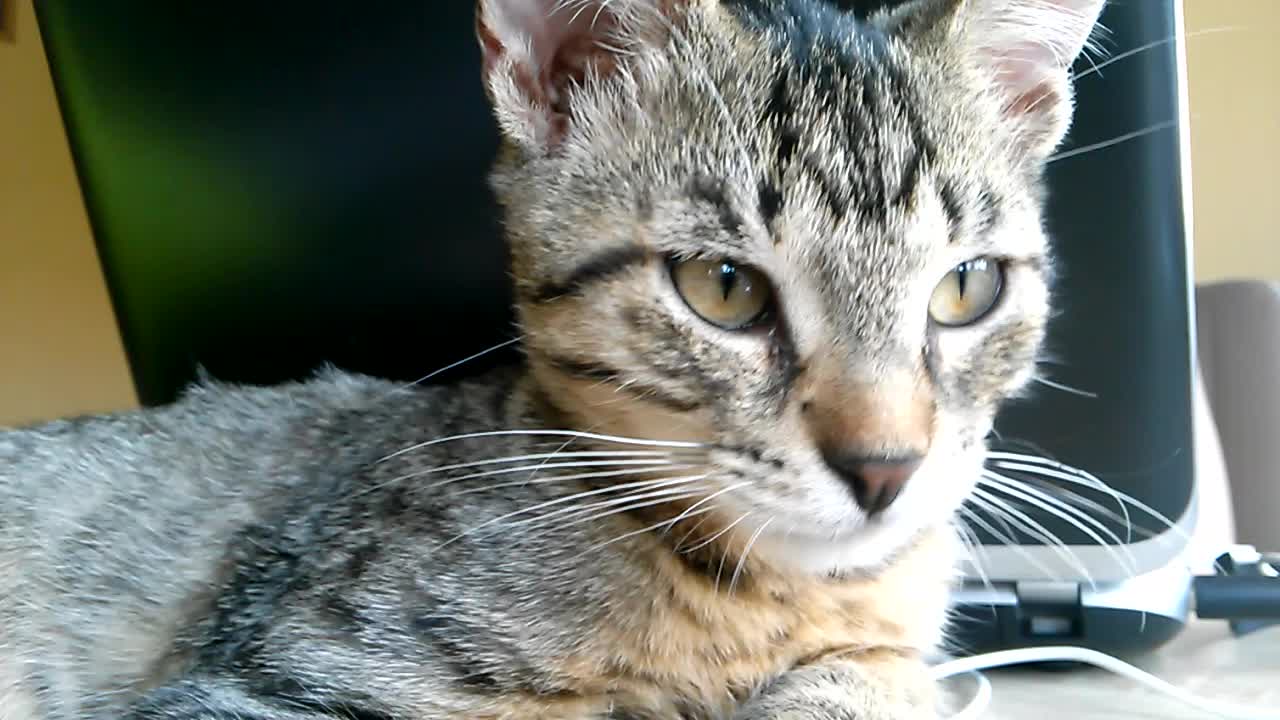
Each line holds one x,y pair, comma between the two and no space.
1094,508
1073,516
557,451
975,550
1125,498
1034,528
1033,464
1018,486
651,528
1046,471
624,458
679,544
646,484
620,463
707,499
451,366
1009,542
552,433
742,559
668,524
1098,67
724,557
667,489
716,536
617,508
1083,149
1064,388
1029,527
572,477
1078,477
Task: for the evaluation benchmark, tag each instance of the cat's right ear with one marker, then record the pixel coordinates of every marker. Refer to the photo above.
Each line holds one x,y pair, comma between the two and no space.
1024,50
539,55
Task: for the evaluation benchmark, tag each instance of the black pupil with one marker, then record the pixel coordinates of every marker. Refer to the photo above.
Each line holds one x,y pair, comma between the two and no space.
728,278
962,274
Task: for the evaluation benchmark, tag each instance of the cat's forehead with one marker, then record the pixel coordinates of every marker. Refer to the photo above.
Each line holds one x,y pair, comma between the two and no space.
768,123
824,126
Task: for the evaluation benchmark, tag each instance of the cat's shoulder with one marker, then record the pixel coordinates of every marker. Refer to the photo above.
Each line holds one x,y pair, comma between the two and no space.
213,404
214,417
333,410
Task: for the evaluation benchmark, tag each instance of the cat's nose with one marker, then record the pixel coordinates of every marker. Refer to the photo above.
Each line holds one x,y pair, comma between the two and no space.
876,482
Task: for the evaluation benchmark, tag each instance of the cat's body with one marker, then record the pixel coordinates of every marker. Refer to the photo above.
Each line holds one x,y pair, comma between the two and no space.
775,271
359,591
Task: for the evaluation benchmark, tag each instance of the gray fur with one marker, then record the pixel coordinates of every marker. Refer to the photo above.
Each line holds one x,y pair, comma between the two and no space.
344,547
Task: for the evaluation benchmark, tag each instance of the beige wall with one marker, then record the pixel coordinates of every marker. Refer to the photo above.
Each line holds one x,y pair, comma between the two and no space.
59,349
1233,56
60,352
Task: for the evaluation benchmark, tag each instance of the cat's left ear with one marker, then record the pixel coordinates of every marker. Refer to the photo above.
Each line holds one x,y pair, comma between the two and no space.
1024,48
540,55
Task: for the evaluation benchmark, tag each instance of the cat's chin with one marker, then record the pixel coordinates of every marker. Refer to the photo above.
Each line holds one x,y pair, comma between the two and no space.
865,550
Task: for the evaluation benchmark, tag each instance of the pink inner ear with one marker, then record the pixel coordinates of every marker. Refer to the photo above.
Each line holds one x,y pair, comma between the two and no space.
579,48
552,43
538,54
1042,98
1024,74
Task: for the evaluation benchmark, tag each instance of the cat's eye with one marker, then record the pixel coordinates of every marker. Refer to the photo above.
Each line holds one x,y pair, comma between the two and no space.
723,293
967,293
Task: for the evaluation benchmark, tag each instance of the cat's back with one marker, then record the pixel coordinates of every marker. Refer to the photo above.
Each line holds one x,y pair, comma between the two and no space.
114,530
150,475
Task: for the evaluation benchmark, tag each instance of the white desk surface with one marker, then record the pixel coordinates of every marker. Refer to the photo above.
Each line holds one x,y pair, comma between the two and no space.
1205,659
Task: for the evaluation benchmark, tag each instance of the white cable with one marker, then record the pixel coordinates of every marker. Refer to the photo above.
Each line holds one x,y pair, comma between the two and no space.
1106,662
980,701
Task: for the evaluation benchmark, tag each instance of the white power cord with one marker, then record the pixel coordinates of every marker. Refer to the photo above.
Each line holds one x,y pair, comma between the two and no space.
982,697
980,701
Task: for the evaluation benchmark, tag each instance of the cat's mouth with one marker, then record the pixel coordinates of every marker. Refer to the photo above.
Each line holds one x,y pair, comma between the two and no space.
813,520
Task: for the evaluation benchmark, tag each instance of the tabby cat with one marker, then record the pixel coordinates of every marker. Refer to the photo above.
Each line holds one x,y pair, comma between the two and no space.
776,268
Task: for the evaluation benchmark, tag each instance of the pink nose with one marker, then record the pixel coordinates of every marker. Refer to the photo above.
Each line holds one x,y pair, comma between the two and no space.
876,482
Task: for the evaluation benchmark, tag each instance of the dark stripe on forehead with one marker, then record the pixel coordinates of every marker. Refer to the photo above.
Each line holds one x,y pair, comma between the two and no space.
778,114
770,199
990,212
595,268
839,75
833,192
814,41
711,191
781,111
889,140
922,154
953,207
910,181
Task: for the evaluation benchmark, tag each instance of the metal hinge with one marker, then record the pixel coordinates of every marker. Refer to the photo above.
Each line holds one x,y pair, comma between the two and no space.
1049,609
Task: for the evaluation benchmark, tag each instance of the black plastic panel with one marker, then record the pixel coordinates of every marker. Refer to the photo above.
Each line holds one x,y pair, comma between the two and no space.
980,629
1123,332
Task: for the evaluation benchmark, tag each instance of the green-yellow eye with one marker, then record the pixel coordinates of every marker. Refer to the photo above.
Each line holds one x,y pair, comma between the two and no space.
967,293
723,293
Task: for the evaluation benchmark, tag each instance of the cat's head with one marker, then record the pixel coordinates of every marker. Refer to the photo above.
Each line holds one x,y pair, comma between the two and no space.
812,242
